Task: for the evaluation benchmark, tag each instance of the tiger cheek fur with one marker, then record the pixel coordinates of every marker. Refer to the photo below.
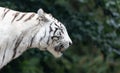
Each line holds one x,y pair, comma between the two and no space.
20,31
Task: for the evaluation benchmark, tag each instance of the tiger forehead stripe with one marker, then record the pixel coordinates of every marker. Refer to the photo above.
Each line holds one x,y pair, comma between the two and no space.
31,16
21,17
15,16
57,25
55,30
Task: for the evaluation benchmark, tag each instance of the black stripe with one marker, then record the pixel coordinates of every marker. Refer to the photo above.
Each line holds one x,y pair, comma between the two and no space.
31,16
56,25
42,37
38,20
55,37
60,25
15,17
4,53
50,28
44,34
21,17
62,31
48,40
55,31
5,9
5,13
49,33
31,41
19,40
40,40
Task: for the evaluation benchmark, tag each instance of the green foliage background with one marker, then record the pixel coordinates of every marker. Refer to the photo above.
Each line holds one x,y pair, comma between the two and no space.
94,27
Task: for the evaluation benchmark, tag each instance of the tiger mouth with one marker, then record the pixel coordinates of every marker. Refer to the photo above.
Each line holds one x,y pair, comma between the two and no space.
59,48
57,51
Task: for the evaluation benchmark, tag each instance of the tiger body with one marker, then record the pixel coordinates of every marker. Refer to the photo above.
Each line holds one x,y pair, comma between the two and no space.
20,31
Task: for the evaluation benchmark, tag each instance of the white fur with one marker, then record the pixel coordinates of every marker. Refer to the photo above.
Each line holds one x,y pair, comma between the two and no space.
10,33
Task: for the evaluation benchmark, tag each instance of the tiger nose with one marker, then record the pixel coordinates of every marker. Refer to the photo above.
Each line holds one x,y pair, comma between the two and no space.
70,43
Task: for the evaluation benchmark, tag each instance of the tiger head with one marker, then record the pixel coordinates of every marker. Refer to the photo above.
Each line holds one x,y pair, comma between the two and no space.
56,39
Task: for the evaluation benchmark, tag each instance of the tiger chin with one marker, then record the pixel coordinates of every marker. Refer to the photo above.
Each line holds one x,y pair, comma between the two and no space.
20,31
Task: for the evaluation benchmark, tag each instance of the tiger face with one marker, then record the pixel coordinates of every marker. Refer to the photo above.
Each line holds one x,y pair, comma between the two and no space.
56,39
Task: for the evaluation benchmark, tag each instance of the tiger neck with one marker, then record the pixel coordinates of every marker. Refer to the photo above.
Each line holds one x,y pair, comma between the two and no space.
37,38
27,37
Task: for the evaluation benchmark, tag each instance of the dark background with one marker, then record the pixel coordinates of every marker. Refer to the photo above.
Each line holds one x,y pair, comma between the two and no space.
94,27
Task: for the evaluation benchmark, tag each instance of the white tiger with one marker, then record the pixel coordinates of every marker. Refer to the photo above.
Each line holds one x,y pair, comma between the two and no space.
20,31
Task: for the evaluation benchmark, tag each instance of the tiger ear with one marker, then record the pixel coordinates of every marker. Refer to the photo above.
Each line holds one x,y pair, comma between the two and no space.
40,12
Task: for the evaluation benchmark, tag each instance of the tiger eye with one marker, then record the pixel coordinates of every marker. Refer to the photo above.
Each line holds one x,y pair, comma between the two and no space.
55,37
